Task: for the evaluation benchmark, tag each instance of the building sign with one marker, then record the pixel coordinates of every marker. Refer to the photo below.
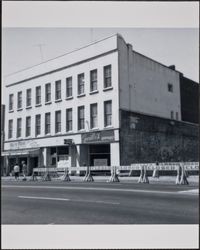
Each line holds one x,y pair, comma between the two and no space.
23,144
99,136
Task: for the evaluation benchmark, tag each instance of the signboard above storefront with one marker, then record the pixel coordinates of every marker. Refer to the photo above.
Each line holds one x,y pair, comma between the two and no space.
98,137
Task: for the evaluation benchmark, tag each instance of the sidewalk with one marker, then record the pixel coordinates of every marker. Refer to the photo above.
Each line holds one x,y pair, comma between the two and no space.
193,180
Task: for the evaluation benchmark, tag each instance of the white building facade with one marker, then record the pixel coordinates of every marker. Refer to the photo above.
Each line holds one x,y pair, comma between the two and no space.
66,111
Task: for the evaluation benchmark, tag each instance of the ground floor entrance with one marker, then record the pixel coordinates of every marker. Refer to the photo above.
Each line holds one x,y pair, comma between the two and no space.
99,155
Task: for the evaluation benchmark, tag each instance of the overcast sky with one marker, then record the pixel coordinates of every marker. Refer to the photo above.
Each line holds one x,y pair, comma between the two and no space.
168,46
177,46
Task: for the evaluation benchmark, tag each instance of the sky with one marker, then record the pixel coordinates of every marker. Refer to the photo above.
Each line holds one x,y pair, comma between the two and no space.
177,46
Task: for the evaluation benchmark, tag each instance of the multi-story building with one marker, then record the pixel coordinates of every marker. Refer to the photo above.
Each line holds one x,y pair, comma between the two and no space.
96,106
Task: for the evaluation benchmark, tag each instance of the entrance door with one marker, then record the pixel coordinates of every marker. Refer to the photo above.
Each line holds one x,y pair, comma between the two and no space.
99,155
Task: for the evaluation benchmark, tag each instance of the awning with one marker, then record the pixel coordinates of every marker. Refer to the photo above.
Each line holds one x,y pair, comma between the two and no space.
31,152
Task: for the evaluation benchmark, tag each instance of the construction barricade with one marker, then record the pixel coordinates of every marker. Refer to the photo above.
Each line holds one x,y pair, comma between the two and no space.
114,175
88,176
66,177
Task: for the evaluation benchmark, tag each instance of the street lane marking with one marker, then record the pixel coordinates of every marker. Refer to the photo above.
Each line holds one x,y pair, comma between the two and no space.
43,198
191,191
95,189
64,199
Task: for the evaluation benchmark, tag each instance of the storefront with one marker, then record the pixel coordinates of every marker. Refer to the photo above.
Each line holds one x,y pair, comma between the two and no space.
97,144
29,156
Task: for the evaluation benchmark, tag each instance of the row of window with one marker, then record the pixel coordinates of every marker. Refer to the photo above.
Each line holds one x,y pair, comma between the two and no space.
69,126
69,89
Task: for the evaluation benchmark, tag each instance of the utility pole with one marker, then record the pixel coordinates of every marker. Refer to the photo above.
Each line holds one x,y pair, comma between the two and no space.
40,45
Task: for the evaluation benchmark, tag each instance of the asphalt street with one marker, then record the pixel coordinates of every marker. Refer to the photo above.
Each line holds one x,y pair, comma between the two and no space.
98,203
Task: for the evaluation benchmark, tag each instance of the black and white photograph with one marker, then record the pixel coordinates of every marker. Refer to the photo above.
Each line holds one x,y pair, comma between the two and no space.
99,128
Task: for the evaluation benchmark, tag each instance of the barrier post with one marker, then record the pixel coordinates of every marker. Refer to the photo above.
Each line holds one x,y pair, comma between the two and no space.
46,176
88,176
66,177
183,179
114,176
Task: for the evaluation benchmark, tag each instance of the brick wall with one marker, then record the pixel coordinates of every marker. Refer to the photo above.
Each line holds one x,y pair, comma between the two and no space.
148,139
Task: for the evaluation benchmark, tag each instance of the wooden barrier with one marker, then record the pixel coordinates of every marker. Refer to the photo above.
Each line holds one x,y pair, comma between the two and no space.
180,167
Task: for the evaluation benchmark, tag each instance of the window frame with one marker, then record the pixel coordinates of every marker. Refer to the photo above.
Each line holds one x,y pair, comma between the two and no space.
93,116
69,87
69,121
58,123
81,84
36,95
37,125
47,92
170,87
28,128
47,125
28,97
10,128
93,82
11,102
19,128
19,100
105,77
58,90
107,115
81,120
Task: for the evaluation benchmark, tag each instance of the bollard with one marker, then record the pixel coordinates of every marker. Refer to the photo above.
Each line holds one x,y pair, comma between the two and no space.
66,177
183,179
114,176
46,176
88,176
178,177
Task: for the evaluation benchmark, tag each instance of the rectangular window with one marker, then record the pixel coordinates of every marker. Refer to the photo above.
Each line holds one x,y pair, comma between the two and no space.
19,100
10,129
19,127
38,95
37,125
48,92
47,123
28,98
170,87
93,116
107,113
81,117
11,101
69,87
58,90
57,121
69,120
93,80
107,76
81,82
172,115
28,126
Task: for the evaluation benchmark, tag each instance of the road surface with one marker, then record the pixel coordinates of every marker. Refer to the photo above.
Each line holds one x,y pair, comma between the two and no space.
98,203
